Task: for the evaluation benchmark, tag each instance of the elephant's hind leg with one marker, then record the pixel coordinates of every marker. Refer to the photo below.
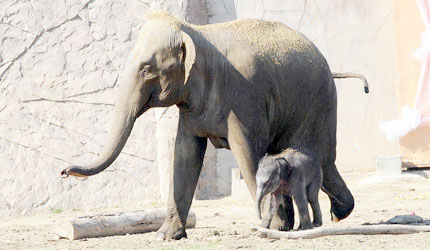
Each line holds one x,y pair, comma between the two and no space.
312,192
342,201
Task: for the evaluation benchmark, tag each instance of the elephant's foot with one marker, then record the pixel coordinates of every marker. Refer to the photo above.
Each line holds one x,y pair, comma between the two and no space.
171,230
340,211
305,226
342,201
284,217
265,223
316,224
282,222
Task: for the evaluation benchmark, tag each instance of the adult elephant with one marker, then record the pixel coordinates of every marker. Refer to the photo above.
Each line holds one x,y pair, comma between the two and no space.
251,86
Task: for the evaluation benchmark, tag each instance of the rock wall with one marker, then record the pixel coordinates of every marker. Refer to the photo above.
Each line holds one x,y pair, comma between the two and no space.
60,62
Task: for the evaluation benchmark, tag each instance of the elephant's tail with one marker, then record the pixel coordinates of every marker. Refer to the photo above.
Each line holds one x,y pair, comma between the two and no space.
353,75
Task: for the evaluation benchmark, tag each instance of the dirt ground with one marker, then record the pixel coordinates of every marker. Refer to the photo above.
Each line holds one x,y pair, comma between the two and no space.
226,223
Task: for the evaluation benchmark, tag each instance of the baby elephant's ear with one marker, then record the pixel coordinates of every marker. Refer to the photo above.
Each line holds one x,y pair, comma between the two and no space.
283,164
188,54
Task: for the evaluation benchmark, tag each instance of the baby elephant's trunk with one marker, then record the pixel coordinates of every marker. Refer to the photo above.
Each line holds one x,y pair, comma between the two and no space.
259,198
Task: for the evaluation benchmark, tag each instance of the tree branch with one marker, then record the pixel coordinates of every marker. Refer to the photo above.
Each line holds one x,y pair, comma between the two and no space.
360,230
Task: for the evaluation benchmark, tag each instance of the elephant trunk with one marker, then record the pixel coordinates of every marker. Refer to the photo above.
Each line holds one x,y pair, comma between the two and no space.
129,106
258,199
117,138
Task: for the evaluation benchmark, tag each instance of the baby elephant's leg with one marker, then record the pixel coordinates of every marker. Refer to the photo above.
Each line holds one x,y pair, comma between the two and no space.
301,200
275,200
312,192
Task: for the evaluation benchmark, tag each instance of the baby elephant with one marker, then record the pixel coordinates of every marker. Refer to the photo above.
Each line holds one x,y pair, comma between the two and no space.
291,173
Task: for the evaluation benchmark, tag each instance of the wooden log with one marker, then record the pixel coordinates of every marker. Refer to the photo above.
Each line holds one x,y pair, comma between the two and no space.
361,230
115,224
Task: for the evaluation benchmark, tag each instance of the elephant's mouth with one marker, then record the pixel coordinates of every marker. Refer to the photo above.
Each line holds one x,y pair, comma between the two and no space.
145,107
151,100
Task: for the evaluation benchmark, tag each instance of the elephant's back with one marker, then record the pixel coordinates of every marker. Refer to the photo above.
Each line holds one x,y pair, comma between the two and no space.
264,38
282,73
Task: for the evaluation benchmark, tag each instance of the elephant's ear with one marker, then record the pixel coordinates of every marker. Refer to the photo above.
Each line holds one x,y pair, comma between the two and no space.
188,54
283,163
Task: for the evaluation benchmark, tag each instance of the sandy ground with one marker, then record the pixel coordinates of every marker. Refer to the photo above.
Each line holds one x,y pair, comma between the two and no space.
226,223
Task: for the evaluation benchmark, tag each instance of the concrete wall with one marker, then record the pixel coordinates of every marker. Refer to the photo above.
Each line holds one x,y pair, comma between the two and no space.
60,62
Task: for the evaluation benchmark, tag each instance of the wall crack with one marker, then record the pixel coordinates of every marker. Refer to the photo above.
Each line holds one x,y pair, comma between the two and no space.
35,150
66,101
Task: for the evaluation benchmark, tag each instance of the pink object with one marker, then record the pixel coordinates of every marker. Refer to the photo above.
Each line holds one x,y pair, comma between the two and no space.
419,115
422,98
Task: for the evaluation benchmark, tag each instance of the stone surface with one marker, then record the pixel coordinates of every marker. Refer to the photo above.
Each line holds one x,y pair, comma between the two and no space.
59,71
61,62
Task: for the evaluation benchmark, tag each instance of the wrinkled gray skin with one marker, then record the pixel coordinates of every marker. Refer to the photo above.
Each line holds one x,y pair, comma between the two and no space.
251,94
292,173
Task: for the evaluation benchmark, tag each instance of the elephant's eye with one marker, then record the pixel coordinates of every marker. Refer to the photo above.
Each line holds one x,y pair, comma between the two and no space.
144,71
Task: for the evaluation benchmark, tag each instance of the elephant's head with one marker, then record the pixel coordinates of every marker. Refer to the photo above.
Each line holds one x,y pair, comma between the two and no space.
268,179
155,75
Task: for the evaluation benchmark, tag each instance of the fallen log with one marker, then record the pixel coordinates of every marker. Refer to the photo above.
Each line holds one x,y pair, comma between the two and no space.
115,224
361,230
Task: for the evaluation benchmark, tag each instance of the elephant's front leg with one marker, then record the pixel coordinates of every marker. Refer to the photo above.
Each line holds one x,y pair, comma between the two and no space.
248,148
188,160
275,201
